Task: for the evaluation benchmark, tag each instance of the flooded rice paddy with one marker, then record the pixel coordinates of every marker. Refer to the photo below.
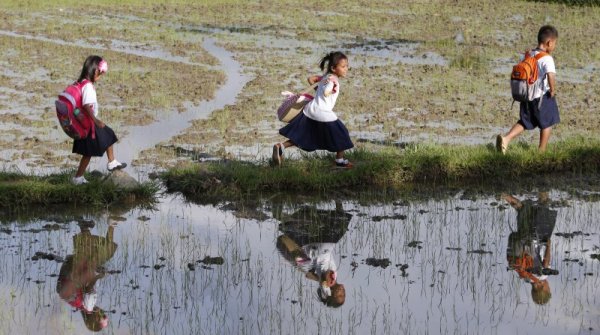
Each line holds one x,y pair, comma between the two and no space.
438,265
204,83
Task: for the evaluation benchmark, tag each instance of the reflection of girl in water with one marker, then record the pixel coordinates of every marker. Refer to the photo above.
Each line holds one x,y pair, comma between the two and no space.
528,251
317,231
80,271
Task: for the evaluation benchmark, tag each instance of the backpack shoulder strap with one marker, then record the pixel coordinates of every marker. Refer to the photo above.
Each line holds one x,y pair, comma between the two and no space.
540,55
81,84
310,88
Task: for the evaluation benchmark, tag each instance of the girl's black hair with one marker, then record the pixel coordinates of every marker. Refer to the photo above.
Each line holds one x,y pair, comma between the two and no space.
331,60
89,68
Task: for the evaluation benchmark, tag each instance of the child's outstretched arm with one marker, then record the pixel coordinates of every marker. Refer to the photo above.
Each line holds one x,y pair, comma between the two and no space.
552,83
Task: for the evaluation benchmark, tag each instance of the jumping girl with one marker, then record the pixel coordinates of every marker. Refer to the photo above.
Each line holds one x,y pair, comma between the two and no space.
93,68
318,127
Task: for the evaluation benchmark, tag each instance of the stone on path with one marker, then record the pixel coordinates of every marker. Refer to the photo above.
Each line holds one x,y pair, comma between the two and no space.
122,179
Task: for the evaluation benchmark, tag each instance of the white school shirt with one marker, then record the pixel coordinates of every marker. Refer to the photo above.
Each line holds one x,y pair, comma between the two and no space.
545,66
321,107
321,257
88,97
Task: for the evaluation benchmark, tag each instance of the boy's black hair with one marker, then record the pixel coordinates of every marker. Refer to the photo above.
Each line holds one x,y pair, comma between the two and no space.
89,68
332,59
547,32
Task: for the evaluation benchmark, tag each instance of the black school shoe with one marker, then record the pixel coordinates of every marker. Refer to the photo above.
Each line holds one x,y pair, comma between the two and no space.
344,164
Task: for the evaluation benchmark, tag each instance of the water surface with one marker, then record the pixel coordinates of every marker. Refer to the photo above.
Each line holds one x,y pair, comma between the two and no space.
448,269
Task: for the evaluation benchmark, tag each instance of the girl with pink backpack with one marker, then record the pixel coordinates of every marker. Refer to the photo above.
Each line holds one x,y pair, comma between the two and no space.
102,137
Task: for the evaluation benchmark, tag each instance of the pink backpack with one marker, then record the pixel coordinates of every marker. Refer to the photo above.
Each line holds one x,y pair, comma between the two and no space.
293,104
70,115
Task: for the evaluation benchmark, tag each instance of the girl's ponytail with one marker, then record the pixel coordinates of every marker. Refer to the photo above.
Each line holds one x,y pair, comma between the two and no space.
325,61
331,60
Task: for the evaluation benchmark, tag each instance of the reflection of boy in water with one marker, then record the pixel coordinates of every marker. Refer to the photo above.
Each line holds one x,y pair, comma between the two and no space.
308,241
535,223
80,271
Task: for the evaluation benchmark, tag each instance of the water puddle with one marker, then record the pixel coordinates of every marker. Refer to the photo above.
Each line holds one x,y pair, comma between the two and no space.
169,124
116,45
372,52
138,138
381,52
418,266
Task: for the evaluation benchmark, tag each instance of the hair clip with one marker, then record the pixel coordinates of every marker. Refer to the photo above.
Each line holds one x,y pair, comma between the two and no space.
103,66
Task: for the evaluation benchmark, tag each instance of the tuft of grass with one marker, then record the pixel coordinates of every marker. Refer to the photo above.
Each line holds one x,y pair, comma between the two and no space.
572,2
20,190
390,168
470,59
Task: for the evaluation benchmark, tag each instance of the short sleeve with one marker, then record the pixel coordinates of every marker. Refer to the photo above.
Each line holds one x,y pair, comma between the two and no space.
88,95
329,86
332,84
547,64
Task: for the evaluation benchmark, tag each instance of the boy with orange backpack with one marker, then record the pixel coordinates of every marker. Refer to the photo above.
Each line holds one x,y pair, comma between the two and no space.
533,84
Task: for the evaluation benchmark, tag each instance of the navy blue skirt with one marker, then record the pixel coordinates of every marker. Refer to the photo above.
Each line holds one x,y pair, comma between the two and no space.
105,137
310,135
532,116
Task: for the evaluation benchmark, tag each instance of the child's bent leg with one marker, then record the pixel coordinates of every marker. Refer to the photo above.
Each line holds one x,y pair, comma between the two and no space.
544,137
113,164
503,141
83,164
514,132
277,157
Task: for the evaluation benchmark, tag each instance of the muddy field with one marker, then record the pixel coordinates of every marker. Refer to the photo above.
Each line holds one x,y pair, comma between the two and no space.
202,80
207,77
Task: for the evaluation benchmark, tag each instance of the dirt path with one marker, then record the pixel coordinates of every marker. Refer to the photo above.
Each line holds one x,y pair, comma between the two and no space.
145,137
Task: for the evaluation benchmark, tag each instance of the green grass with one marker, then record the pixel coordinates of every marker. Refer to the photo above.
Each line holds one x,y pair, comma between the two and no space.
572,2
390,168
18,190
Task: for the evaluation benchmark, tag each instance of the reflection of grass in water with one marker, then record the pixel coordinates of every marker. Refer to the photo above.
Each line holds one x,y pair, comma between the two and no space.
17,189
452,285
392,168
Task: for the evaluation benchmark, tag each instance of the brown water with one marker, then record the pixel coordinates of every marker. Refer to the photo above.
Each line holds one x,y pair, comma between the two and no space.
448,270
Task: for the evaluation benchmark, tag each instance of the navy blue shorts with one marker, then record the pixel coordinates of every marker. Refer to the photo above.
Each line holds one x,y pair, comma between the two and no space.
532,116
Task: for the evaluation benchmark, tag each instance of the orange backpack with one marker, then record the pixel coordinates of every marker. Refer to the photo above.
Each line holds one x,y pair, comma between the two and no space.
524,77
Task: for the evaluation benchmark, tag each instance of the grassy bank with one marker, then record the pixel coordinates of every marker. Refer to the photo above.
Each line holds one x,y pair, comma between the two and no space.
20,190
390,168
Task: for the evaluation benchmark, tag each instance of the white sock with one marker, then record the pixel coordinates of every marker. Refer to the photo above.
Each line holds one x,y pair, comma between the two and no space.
340,160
